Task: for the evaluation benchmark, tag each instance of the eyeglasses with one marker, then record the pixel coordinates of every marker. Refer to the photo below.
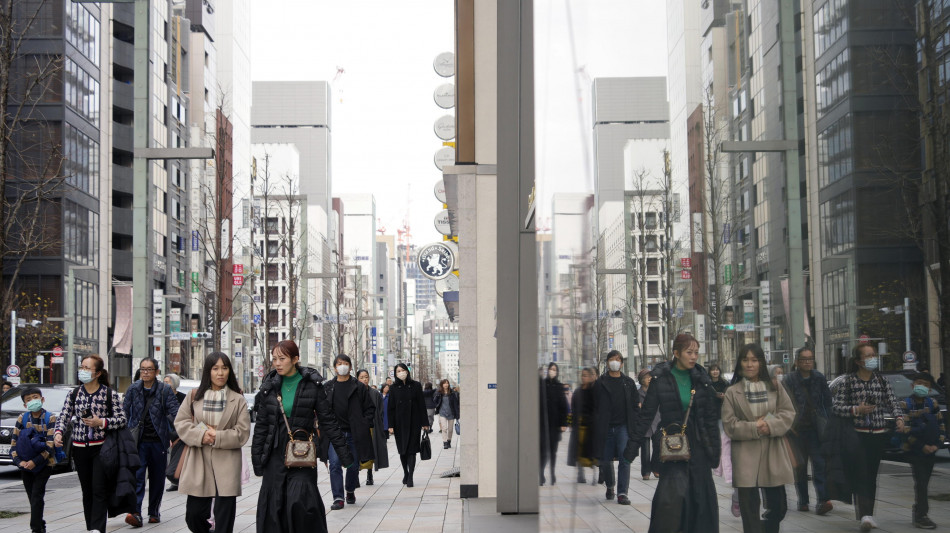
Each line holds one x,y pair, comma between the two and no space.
146,370
806,359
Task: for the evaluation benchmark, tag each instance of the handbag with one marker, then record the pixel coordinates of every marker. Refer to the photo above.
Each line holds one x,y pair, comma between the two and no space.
675,446
176,460
458,428
425,447
298,453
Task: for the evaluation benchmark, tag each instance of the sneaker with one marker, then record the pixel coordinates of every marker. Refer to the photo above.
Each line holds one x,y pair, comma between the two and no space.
337,505
154,520
351,498
824,508
610,493
646,478
623,499
924,523
735,509
134,520
868,523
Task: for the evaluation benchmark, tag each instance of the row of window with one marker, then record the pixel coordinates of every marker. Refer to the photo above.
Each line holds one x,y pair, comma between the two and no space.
831,22
82,30
82,91
837,224
81,160
835,298
835,150
80,234
833,83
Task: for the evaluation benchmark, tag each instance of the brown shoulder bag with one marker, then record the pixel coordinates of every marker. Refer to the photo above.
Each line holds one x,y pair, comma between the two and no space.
675,446
298,453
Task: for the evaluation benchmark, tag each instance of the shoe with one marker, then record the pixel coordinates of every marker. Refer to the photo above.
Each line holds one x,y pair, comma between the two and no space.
409,483
445,445
656,475
351,498
924,523
646,478
337,505
868,523
610,493
553,479
154,520
369,482
172,488
448,445
803,507
824,508
735,509
133,519
623,499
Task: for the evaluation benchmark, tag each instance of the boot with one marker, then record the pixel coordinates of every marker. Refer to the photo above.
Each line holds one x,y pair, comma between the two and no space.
553,478
448,445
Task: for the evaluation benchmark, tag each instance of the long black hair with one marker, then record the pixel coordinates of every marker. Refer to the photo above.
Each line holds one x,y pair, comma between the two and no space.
210,360
404,367
756,351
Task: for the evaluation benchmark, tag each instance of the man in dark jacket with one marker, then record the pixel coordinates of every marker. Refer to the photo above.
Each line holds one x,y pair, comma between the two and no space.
808,390
151,407
616,413
355,414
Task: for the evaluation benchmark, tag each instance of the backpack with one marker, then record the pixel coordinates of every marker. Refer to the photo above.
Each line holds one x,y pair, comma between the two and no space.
30,443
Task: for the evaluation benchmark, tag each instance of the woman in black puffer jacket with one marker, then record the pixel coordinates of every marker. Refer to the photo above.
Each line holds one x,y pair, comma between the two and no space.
685,498
289,500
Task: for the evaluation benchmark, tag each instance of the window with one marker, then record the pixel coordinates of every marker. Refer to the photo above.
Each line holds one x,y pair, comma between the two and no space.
653,335
272,225
80,234
653,289
649,220
653,267
653,312
82,31
273,294
835,298
272,272
837,224
831,22
650,243
835,154
82,91
273,248
81,160
833,83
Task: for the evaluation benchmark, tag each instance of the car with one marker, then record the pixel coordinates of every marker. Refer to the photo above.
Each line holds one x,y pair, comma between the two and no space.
903,387
12,408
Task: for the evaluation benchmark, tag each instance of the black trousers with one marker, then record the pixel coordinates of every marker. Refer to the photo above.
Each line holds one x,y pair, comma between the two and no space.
646,464
776,506
95,492
922,466
872,444
35,485
408,461
198,511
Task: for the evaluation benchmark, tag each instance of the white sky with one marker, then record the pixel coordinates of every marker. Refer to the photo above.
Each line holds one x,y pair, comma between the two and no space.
383,112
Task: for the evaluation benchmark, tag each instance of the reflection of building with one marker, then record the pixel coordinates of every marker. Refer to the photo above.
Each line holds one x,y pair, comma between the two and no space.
424,287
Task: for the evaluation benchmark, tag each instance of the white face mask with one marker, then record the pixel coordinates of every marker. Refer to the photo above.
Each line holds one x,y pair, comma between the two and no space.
402,375
343,370
614,365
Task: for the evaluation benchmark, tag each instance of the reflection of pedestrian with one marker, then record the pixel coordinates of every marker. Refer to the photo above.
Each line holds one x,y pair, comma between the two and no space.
579,449
808,389
757,413
923,436
427,393
868,399
616,416
554,419
647,463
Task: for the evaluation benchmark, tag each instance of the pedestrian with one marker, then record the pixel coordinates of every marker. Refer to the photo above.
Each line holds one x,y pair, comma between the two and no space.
214,423
942,380
428,393
407,419
389,381
384,392
685,499
447,406
868,399
811,397
34,433
647,463
718,383
150,406
7,386
554,409
756,414
617,404
579,444
174,381
291,401
378,431
92,408
922,437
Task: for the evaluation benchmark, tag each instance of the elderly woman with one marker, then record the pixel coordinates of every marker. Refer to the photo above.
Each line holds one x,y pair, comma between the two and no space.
756,414
174,381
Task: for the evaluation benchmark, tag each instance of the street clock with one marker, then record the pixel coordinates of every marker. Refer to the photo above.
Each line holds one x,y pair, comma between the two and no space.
436,261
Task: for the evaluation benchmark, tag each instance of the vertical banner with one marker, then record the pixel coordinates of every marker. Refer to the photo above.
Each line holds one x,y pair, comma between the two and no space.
122,337
373,334
158,327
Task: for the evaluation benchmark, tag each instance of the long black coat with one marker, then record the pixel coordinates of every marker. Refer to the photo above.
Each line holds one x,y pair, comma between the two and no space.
603,411
685,498
380,435
362,417
582,408
407,415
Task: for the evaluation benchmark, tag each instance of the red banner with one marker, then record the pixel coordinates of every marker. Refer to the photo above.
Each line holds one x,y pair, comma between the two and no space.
238,269
686,274
238,281
686,262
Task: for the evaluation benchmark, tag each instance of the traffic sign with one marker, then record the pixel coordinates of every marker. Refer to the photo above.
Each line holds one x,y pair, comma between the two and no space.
392,374
260,371
864,338
13,371
910,357
57,360
57,351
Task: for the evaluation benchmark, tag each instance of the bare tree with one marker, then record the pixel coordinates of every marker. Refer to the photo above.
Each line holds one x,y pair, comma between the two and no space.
31,155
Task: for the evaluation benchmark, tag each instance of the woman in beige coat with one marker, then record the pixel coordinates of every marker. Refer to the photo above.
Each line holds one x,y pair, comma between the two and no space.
213,421
756,415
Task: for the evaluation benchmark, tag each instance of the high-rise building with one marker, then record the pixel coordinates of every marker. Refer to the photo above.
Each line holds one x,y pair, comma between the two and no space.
684,78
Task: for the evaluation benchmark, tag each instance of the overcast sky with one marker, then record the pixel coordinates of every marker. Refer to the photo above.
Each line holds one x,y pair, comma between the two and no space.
383,111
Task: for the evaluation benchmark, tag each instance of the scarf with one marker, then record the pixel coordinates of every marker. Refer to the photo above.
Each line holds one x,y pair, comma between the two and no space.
213,406
757,396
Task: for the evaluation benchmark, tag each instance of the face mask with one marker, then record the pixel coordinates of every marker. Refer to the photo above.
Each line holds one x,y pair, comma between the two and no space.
402,375
780,377
871,364
343,370
34,405
614,365
85,376
921,390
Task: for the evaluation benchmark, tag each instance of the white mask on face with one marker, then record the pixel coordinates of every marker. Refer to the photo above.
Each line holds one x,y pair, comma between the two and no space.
614,365
343,370
402,375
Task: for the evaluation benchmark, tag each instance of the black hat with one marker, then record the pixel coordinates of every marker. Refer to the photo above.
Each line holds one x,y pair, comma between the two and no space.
922,376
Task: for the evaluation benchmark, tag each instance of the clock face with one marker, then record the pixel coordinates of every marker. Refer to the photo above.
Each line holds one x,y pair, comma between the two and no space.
435,261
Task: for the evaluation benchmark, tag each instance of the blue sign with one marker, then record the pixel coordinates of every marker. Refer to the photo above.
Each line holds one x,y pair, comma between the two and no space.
257,318
245,319
194,241
492,385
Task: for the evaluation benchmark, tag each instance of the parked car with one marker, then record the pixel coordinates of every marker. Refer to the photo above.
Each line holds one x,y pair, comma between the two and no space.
903,387
12,408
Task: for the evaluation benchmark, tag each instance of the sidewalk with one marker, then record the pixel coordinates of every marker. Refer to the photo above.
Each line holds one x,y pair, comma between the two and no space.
432,505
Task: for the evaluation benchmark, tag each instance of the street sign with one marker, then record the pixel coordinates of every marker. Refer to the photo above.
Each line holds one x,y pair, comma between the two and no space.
13,371
257,318
57,360
40,361
864,338
238,354
260,371
910,357
392,374
745,328
180,335
57,351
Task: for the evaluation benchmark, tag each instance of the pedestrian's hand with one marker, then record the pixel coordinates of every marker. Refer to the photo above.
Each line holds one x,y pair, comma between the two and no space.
208,438
563,428
29,465
930,449
94,422
425,428
720,395
390,431
762,426
58,440
900,425
864,408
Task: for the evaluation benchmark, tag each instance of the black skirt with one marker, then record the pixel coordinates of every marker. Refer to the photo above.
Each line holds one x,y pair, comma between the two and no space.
289,500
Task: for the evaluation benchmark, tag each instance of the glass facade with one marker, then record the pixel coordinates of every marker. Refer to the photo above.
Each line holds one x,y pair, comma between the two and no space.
834,284
831,22
835,150
82,91
81,165
837,224
80,234
82,30
833,83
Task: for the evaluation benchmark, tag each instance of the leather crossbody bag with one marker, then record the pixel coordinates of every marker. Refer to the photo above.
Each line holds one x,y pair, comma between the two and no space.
298,453
675,446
